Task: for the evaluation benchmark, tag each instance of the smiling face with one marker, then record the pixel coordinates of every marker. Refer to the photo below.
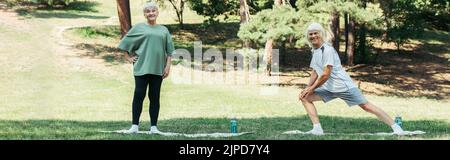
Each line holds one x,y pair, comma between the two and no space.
151,14
315,37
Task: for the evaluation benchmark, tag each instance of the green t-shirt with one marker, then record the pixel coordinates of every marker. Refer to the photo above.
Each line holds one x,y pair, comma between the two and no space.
152,44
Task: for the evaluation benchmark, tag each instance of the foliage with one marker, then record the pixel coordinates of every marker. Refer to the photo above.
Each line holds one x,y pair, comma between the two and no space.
213,8
265,25
403,21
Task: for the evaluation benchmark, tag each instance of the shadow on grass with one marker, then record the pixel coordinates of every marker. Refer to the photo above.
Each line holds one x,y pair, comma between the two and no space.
87,6
26,13
111,55
263,128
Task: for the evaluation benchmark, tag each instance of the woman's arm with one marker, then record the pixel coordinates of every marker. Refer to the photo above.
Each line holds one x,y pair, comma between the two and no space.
167,68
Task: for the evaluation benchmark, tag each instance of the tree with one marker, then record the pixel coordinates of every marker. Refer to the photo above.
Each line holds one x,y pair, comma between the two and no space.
244,11
178,5
123,9
245,17
266,30
269,44
259,5
334,26
359,16
350,47
213,8
402,20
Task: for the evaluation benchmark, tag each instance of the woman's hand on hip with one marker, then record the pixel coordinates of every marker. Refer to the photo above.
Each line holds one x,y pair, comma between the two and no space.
132,59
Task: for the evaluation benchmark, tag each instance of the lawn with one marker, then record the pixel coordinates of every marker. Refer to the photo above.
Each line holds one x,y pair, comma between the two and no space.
51,91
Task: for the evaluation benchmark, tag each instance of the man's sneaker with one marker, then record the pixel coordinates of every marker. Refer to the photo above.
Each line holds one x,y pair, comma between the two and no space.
401,133
315,132
133,129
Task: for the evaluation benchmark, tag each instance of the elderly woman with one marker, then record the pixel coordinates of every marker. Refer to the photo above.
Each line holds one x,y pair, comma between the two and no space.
329,81
149,47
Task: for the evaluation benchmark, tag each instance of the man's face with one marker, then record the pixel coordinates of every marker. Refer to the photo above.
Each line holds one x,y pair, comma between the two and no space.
315,37
151,14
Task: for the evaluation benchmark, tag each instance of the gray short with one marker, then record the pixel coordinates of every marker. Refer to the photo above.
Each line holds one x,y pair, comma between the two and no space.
352,96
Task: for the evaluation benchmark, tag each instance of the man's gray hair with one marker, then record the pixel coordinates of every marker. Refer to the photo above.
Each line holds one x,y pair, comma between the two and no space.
150,5
318,27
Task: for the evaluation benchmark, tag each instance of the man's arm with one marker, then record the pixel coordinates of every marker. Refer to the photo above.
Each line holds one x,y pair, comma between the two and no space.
313,78
313,84
323,78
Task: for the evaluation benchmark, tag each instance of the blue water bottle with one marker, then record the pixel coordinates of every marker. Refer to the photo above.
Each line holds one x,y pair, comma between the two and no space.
398,120
233,125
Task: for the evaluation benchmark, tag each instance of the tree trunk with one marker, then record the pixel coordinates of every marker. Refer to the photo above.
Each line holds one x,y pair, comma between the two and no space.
346,35
283,50
362,43
334,26
123,9
351,41
269,44
245,17
362,39
268,55
243,10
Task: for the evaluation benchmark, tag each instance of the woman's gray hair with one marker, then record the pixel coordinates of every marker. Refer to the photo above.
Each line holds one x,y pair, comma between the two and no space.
150,5
318,27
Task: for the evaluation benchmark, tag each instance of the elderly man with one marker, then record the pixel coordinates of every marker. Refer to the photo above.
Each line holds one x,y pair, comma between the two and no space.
329,81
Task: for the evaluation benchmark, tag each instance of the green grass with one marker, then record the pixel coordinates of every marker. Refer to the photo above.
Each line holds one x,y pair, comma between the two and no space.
44,97
263,128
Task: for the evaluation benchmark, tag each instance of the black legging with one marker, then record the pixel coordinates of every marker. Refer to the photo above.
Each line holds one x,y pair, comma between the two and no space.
154,83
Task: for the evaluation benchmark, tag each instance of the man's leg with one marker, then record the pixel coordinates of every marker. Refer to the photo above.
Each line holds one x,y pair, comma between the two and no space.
383,116
310,108
312,113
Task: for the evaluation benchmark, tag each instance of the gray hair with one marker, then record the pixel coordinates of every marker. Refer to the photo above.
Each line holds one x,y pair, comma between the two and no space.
316,26
150,5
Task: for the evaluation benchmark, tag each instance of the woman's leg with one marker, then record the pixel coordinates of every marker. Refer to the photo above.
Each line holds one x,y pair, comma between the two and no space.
139,95
153,95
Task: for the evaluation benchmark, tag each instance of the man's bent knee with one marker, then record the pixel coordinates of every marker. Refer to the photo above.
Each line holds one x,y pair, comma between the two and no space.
305,100
309,99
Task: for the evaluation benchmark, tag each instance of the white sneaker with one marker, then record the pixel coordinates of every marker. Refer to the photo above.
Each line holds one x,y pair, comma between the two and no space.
315,132
401,133
134,129
154,130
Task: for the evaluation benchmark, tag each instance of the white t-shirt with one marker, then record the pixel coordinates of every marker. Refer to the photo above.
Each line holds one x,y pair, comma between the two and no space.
339,80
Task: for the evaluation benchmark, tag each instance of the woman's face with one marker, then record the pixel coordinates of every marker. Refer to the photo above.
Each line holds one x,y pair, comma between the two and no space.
151,14
315,37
